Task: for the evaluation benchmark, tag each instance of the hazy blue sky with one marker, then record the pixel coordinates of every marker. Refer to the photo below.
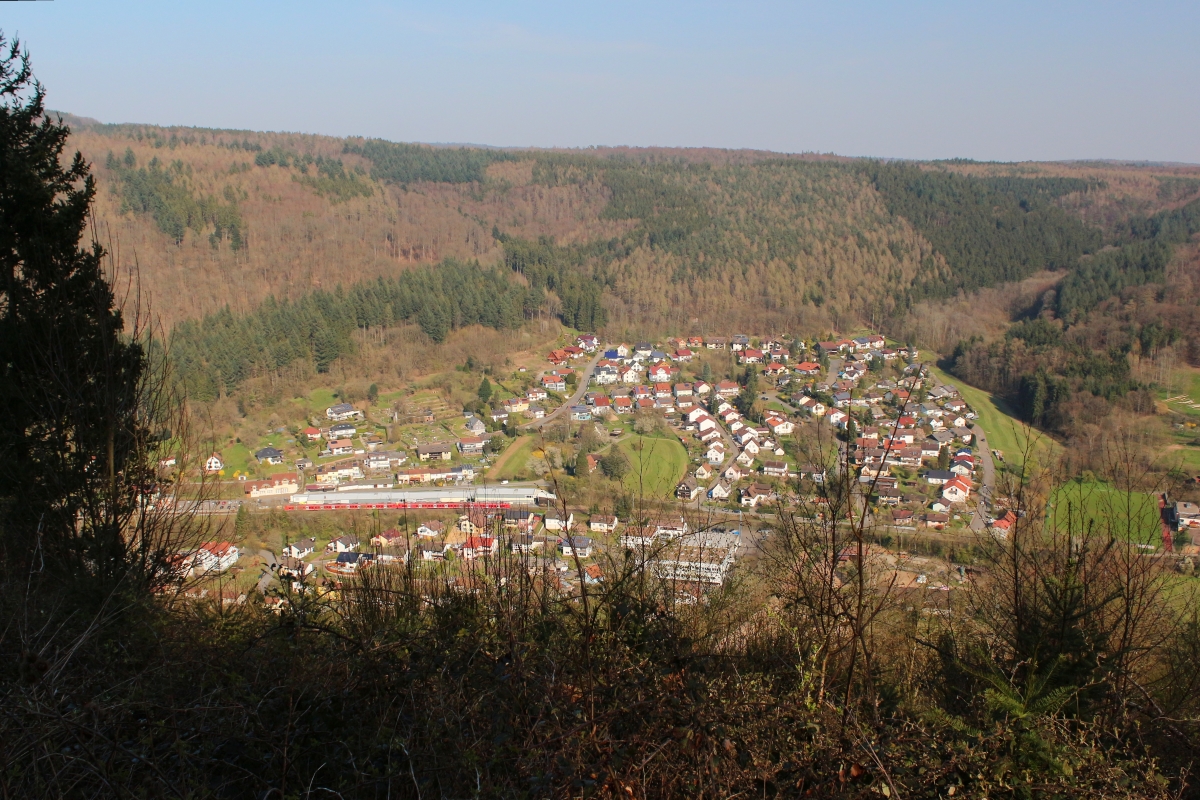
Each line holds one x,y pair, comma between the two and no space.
1043,80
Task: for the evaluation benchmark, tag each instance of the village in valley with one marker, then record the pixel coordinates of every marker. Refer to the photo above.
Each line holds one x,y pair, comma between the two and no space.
681,452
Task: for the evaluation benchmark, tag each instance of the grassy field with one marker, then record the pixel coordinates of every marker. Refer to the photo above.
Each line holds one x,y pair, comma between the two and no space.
655,465
319,400
1082,505
512,462
1005,432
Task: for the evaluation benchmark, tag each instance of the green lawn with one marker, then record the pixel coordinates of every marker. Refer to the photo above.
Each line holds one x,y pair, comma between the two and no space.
655,465
237,458
319,400
1005,432
1081,505
511,464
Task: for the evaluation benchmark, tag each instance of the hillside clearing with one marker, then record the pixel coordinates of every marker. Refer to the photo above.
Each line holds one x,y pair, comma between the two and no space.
1005,432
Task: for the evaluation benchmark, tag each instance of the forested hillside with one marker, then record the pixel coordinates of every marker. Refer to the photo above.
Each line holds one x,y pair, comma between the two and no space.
275,244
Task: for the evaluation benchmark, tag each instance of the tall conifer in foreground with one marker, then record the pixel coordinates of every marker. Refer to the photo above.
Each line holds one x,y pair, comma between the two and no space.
75,432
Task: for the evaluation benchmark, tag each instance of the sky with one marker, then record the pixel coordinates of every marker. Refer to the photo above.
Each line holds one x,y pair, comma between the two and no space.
1005,81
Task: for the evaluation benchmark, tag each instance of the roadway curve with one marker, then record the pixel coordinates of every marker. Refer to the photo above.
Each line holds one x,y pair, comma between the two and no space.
585,378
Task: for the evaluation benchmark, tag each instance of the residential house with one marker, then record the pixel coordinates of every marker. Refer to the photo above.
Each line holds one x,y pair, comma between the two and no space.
659,373
775,469
670,527
555,522
516,405
956,491
637,536
437,451
813,473
554,383
388,538
342,411
751,356
810,406
432,552
471,446
735,472
781,426
535,394
775,370
575,545
343,430
1187,515
343,544
216,556
479,547
526,543
704,472
720,490
301,548
727,389
603,523
430,529
311,433
754,494
213,464
936,521
269,456
1003,524
290,567
341,447
688,488
939,477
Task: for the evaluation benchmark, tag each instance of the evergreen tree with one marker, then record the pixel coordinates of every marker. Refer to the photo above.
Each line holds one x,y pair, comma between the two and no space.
943,462
73,451
485,390
373,392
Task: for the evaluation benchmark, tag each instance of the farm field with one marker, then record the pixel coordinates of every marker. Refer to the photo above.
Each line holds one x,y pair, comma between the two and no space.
656,465
1081,506
1005,432
1182,402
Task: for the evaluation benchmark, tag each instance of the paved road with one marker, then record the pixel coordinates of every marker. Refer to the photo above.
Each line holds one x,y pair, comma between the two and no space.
585,378
264,580
989,478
